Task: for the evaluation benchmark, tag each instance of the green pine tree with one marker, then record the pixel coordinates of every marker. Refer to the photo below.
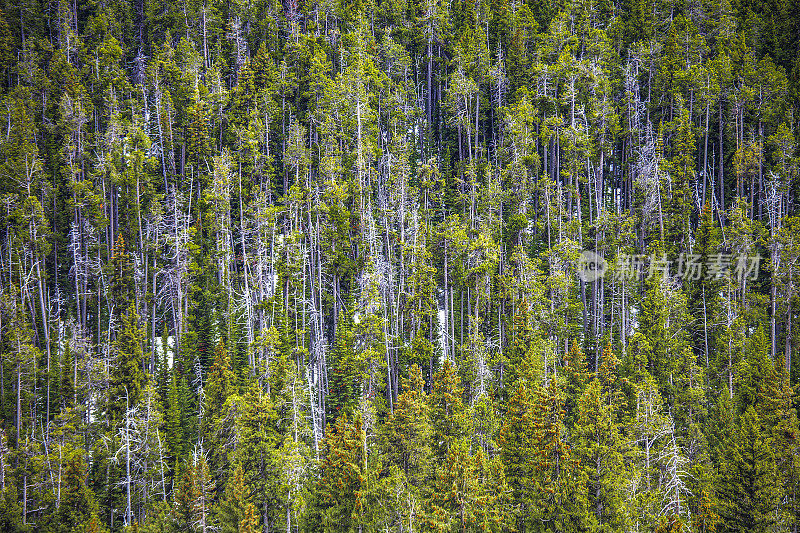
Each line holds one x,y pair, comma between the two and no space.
232,510
749,487
127,376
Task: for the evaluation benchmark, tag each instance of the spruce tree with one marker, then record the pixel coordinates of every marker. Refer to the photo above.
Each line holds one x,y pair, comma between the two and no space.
335,504
127,376
749,488
449,415
66,385
576,375
11,519
77,504
408,430
601,447
780,428
232,510
121,279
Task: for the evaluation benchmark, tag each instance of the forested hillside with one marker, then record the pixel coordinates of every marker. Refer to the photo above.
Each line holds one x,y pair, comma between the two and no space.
399,265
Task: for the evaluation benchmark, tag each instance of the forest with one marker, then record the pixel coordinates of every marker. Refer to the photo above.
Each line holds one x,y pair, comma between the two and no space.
399,266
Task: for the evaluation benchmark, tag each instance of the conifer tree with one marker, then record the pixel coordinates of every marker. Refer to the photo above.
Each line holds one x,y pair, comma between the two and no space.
558,498
11,519
66,385
540,465
754,369
127,375
257,430
748,489
232,511
576,376
702,291
249,523
519,354
780,428
516,444
682,170
361,222
219,387
174,418
77,504
448,414
464,496
336,505
601,448
121,279
347,372
408,430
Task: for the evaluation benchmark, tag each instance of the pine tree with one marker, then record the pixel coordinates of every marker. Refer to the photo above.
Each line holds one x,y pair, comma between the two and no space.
558,500
601,448
77,504
520,357
749,488
11,519
448,414
127,376
335,505
195,496
464,496
702,292
95,526
576,376
219,386
182,495
543,473
360,221
517,443
408,430
347,371
249,523
197,138
754,369
780,428
175,434
681,167
257,431
66,386
232,511
121,279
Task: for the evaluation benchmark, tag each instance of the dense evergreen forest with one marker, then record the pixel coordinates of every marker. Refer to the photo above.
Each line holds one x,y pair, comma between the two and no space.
399,265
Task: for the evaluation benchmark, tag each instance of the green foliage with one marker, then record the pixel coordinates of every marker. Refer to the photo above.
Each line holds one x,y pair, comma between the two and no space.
336,505
576,377
408,430
547,485
601,448
11,511
235,507
449,415
748,490
127,377
348,373
359,228
77,501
